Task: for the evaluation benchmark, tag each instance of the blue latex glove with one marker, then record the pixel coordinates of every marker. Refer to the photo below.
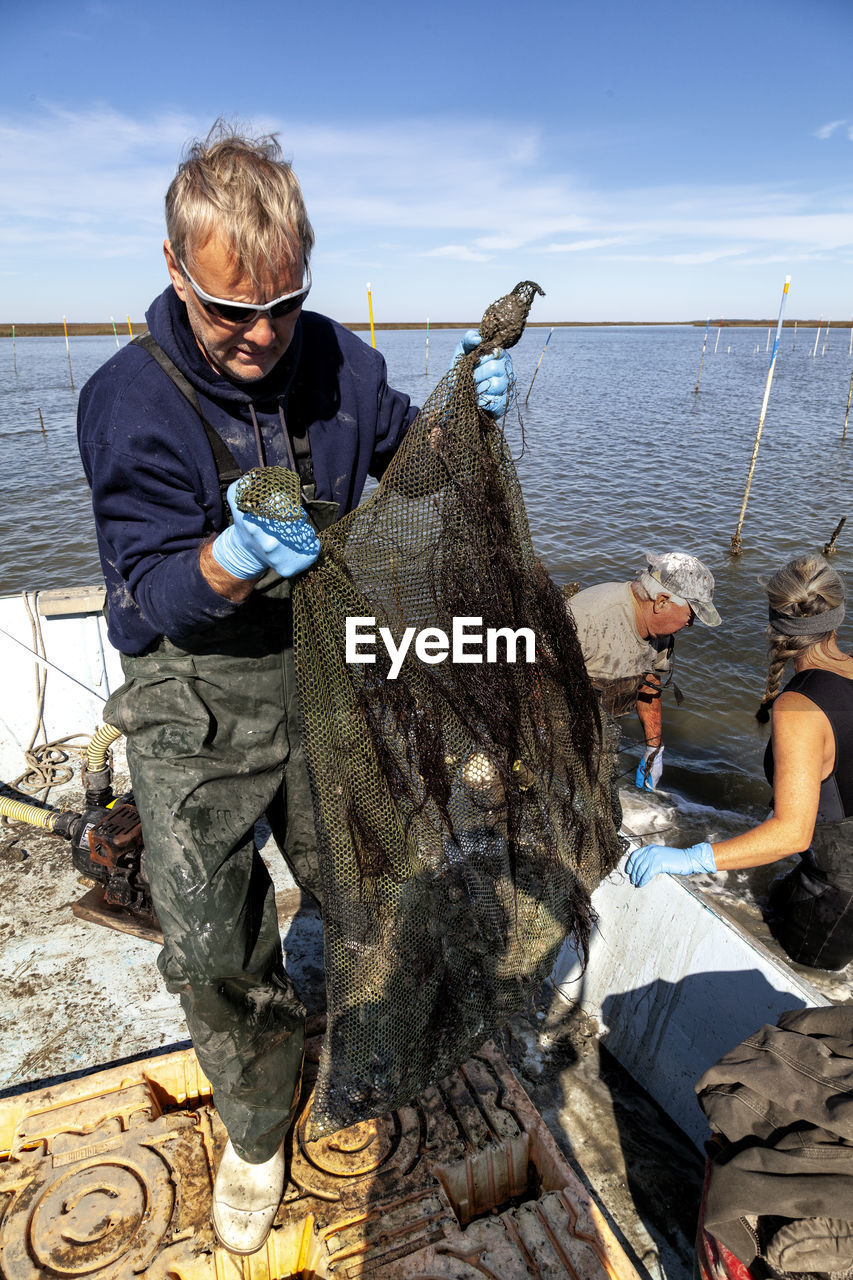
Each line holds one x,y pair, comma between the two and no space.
649,861
251,545
649,769
494,376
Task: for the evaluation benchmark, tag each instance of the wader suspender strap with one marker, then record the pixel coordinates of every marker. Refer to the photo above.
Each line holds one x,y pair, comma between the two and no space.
226,465
301,446
670,680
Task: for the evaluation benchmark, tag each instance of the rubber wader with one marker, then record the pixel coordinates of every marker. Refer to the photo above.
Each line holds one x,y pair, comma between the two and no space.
813,905
213,744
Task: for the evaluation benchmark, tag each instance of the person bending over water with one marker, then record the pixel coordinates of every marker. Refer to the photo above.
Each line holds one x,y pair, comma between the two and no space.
809,764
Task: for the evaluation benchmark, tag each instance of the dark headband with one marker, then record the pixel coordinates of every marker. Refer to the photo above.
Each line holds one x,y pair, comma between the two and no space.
815,624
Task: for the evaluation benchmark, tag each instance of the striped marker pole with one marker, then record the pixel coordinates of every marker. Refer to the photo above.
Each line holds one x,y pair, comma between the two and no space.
536,370
370,309
736,543
68,352
702,361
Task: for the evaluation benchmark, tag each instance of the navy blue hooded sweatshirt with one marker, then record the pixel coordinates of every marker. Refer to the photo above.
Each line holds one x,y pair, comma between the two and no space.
155,489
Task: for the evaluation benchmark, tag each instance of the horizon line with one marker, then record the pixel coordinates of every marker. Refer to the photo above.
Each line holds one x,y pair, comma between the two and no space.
98,328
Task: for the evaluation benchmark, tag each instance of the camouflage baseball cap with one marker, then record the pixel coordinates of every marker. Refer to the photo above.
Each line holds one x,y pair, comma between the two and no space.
686,580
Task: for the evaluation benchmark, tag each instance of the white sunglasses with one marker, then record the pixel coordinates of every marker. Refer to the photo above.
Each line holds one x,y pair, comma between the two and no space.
244,312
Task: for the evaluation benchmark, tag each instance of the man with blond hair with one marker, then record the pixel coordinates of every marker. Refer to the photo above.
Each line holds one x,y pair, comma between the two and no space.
233,374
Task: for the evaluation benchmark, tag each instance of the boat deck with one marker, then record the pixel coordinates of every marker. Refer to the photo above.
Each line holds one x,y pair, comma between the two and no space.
79,996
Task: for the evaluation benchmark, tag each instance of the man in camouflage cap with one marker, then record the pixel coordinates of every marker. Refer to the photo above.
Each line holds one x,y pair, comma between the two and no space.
626,631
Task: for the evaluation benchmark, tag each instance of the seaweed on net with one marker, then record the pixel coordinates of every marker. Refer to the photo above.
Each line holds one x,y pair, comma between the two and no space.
463,810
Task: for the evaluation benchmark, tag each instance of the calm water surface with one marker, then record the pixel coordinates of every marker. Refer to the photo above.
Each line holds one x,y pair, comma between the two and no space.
620,455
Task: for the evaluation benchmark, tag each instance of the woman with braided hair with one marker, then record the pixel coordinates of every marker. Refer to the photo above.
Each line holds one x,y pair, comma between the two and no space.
806,600
809,764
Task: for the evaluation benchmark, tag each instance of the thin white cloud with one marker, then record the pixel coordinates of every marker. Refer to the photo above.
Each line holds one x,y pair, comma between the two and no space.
687,259
432,185
827,130
459,252
583,246
499,243
65,171
88,186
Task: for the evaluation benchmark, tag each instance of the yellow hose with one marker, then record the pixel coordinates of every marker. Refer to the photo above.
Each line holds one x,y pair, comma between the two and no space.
96,759
20,812
96,752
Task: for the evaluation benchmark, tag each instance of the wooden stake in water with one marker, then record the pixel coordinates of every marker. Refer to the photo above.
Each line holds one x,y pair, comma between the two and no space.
41,423
736,543
829,547
847,414
115,334
370,309
702,360
68,352
536,370
817,337
15,354
426,363
717,343
129,328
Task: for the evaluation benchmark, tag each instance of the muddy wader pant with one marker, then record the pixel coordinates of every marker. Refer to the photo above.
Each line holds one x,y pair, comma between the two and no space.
812,907
213,743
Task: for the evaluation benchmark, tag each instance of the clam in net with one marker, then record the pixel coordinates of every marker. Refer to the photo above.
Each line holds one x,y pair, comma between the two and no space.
463,809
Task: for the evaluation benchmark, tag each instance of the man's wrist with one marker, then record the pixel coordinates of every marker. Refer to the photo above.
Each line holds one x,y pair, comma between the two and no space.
218,577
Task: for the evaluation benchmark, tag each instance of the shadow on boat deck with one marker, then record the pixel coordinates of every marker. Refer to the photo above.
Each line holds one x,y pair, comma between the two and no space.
642,1169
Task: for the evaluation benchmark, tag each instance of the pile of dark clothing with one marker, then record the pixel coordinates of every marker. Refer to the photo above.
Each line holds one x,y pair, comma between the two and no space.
781,1180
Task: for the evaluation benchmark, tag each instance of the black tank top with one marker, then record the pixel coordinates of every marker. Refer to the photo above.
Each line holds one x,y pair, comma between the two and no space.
834,695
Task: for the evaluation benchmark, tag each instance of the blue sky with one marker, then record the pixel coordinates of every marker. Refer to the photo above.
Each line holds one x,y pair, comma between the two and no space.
665,161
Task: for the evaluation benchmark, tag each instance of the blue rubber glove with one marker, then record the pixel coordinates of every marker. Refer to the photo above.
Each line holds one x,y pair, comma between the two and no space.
494,376
651,859
251,545
649,769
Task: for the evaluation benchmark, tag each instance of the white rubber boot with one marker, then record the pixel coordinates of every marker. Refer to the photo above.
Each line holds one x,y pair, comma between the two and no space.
245,1199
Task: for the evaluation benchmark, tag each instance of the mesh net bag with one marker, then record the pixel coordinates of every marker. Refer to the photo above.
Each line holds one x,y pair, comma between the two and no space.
270,493
463,809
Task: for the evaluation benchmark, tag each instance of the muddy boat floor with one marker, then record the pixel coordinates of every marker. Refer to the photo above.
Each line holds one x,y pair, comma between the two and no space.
606,1185
111,1175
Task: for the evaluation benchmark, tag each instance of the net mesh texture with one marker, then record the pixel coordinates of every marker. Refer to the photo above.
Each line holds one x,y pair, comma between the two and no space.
464,810
270,493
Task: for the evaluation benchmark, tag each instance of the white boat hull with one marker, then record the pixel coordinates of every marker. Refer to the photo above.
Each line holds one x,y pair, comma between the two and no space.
674,984
79,665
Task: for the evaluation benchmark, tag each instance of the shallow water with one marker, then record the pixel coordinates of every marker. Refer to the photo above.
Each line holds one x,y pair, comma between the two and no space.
619,455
